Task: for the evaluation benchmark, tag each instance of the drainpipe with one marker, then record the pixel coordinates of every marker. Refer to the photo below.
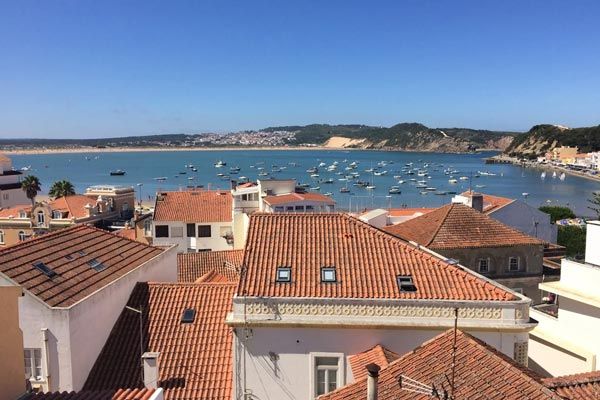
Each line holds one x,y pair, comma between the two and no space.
46,357
373,376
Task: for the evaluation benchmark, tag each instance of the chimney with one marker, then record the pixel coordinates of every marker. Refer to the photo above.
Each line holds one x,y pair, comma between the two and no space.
150,362
373,376
476,201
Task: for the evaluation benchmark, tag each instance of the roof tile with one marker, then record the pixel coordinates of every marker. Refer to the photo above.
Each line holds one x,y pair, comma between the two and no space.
194,206
192,266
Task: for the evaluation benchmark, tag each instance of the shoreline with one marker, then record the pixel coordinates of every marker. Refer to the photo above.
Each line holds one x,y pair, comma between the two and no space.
546,167
90,150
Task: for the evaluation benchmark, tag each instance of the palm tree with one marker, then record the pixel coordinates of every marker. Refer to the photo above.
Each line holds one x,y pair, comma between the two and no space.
61,189
31,185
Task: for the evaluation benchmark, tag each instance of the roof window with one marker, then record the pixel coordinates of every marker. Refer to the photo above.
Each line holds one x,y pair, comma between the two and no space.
96,265
46,270
406,284
328,274
81,253
284,274
69,257
189,315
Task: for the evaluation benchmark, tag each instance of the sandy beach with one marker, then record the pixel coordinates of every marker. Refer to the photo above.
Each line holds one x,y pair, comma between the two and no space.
551,168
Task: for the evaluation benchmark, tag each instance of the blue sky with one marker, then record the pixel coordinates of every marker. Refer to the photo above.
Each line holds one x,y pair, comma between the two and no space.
84,68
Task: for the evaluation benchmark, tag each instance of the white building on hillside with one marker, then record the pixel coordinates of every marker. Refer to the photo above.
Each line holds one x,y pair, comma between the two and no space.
566,339
11,193
76,282
319,288
194,220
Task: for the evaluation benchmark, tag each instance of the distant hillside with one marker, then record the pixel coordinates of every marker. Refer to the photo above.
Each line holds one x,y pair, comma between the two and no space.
543,138
403,136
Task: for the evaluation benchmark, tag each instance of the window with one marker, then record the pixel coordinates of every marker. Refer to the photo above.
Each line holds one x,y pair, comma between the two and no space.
191,230
41,218
189,315
177,231
299,208
5,196
310,208
56,214
406,284
284,274
201,250
326,374
161,231
148,227
22,236
43,268
328,274
22,214
289,208
204,231
279,209
484,266
1,237
125,207
96,265
33,364
513,264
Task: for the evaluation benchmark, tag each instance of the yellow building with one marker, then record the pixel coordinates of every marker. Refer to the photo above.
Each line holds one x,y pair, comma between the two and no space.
564,154
12,362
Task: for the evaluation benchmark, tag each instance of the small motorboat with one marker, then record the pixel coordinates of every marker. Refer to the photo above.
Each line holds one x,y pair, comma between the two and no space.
118,172
394,190
220,164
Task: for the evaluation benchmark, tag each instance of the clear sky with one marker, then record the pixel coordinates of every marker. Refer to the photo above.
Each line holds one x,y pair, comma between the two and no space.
90,68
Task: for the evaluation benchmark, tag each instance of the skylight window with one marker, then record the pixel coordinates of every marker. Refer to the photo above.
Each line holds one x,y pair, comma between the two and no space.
406,284
328,274
69,257
189,315
96,265
284,274
46,270
81,253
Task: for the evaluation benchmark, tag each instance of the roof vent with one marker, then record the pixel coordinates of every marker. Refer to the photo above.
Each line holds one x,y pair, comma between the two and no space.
96,265
189,315
406,284
46,270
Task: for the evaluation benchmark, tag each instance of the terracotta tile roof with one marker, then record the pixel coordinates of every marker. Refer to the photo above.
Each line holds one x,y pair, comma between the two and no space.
120,394
194,206
14,211
378,355
459,226
482,373
367,262
74,279
192,266
128,233
297,197
491,203
407,212
73,205
584,386
247,185
195,360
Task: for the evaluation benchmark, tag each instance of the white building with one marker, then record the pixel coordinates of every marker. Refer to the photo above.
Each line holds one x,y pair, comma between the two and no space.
318,288
380,217
11,193
76,282
195,220
278,195
566,338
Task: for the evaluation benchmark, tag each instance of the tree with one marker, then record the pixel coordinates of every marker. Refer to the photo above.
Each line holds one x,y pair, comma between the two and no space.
61,189
557,212
573,238
595,203
32,186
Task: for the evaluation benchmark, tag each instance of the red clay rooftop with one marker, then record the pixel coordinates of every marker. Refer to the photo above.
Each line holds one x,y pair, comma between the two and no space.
482,373
195,360
459,226
192,266
67,253
194,206
367,262
585,386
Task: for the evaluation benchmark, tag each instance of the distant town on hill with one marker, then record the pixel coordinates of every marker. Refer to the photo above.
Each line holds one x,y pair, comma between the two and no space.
403,136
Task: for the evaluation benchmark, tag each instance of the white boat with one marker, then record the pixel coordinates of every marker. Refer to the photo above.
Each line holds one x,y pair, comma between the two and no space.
543,176
316,188
401,181
563,176
452,181
394,190
554,175
328,194
314,175
322,164
220,164
370,187
464,178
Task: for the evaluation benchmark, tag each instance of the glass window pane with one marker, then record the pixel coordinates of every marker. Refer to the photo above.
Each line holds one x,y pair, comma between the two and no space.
327,361
321,384
332,378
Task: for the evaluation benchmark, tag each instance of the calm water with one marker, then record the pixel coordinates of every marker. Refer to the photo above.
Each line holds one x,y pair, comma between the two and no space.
142,167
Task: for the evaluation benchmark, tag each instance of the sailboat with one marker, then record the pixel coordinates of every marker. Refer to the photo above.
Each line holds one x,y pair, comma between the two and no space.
563,176
543,176
554,175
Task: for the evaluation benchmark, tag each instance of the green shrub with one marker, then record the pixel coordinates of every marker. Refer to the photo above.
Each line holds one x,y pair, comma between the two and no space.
573,238
557,212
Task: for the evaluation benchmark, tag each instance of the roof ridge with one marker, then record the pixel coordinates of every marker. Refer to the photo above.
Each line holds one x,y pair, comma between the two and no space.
572,379
35,239
442,222
188,284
